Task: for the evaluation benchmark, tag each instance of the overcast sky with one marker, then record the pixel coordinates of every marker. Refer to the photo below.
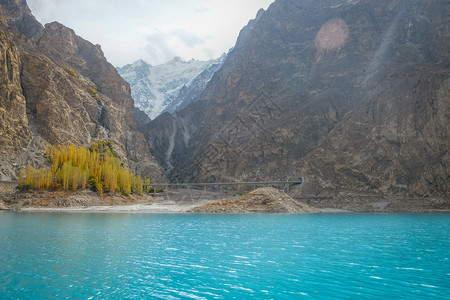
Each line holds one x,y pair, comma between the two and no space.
153,30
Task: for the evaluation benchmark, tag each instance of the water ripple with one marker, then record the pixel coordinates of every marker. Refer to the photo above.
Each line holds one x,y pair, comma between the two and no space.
217,257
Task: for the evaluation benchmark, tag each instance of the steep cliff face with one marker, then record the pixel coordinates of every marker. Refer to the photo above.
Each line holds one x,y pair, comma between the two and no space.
169,137
14,132
396,141
406,142
313,87
18,15
73,95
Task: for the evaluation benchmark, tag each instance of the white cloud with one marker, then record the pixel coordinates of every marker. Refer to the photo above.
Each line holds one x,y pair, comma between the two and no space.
158,48
154,30
188,38
44,9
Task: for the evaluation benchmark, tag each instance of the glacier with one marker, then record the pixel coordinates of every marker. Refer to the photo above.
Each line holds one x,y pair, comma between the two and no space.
156,89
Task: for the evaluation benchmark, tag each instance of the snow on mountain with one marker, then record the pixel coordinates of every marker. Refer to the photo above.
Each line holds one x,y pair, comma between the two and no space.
155,89
190,93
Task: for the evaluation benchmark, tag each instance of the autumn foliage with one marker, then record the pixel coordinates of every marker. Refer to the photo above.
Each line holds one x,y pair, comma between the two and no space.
98,168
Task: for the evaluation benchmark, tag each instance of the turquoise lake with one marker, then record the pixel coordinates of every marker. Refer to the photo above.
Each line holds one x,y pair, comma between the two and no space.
186,256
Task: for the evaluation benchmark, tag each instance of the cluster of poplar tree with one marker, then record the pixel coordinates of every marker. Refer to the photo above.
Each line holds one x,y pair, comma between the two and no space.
98,168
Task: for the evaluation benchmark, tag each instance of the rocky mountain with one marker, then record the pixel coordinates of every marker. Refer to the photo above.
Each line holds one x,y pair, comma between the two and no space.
168,87
59,88
353,96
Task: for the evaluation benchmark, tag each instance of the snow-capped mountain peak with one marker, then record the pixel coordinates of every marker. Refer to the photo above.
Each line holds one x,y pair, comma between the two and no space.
155,88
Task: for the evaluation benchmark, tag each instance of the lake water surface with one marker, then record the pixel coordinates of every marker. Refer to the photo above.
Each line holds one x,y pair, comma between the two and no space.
183,256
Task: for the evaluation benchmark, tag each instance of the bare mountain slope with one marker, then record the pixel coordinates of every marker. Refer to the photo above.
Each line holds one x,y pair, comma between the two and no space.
63,90
350,95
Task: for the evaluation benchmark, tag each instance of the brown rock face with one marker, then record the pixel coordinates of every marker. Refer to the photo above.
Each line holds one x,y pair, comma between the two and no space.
18,15
72,94
350,95
14,132
406,141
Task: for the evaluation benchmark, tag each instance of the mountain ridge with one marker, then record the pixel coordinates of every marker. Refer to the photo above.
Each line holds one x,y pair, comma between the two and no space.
65,92
304,93
170,86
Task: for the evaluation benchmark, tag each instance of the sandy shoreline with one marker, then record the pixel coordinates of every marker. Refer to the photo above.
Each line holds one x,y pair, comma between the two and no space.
183,200
150,208
87,201
174,209
174,203
138,209
162,206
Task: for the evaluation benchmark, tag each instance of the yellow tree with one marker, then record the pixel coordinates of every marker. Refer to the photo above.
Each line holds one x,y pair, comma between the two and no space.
49,177
29,176
73,167
21,179
41,178
147,181
109,177
139,186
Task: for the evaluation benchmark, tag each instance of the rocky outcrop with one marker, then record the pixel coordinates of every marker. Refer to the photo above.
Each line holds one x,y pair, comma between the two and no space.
262,200
405,142
169,137
14,132
72,95
350,95
18,15
142,119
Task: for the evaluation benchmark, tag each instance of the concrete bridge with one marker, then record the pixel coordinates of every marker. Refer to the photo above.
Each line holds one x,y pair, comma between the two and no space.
286,184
